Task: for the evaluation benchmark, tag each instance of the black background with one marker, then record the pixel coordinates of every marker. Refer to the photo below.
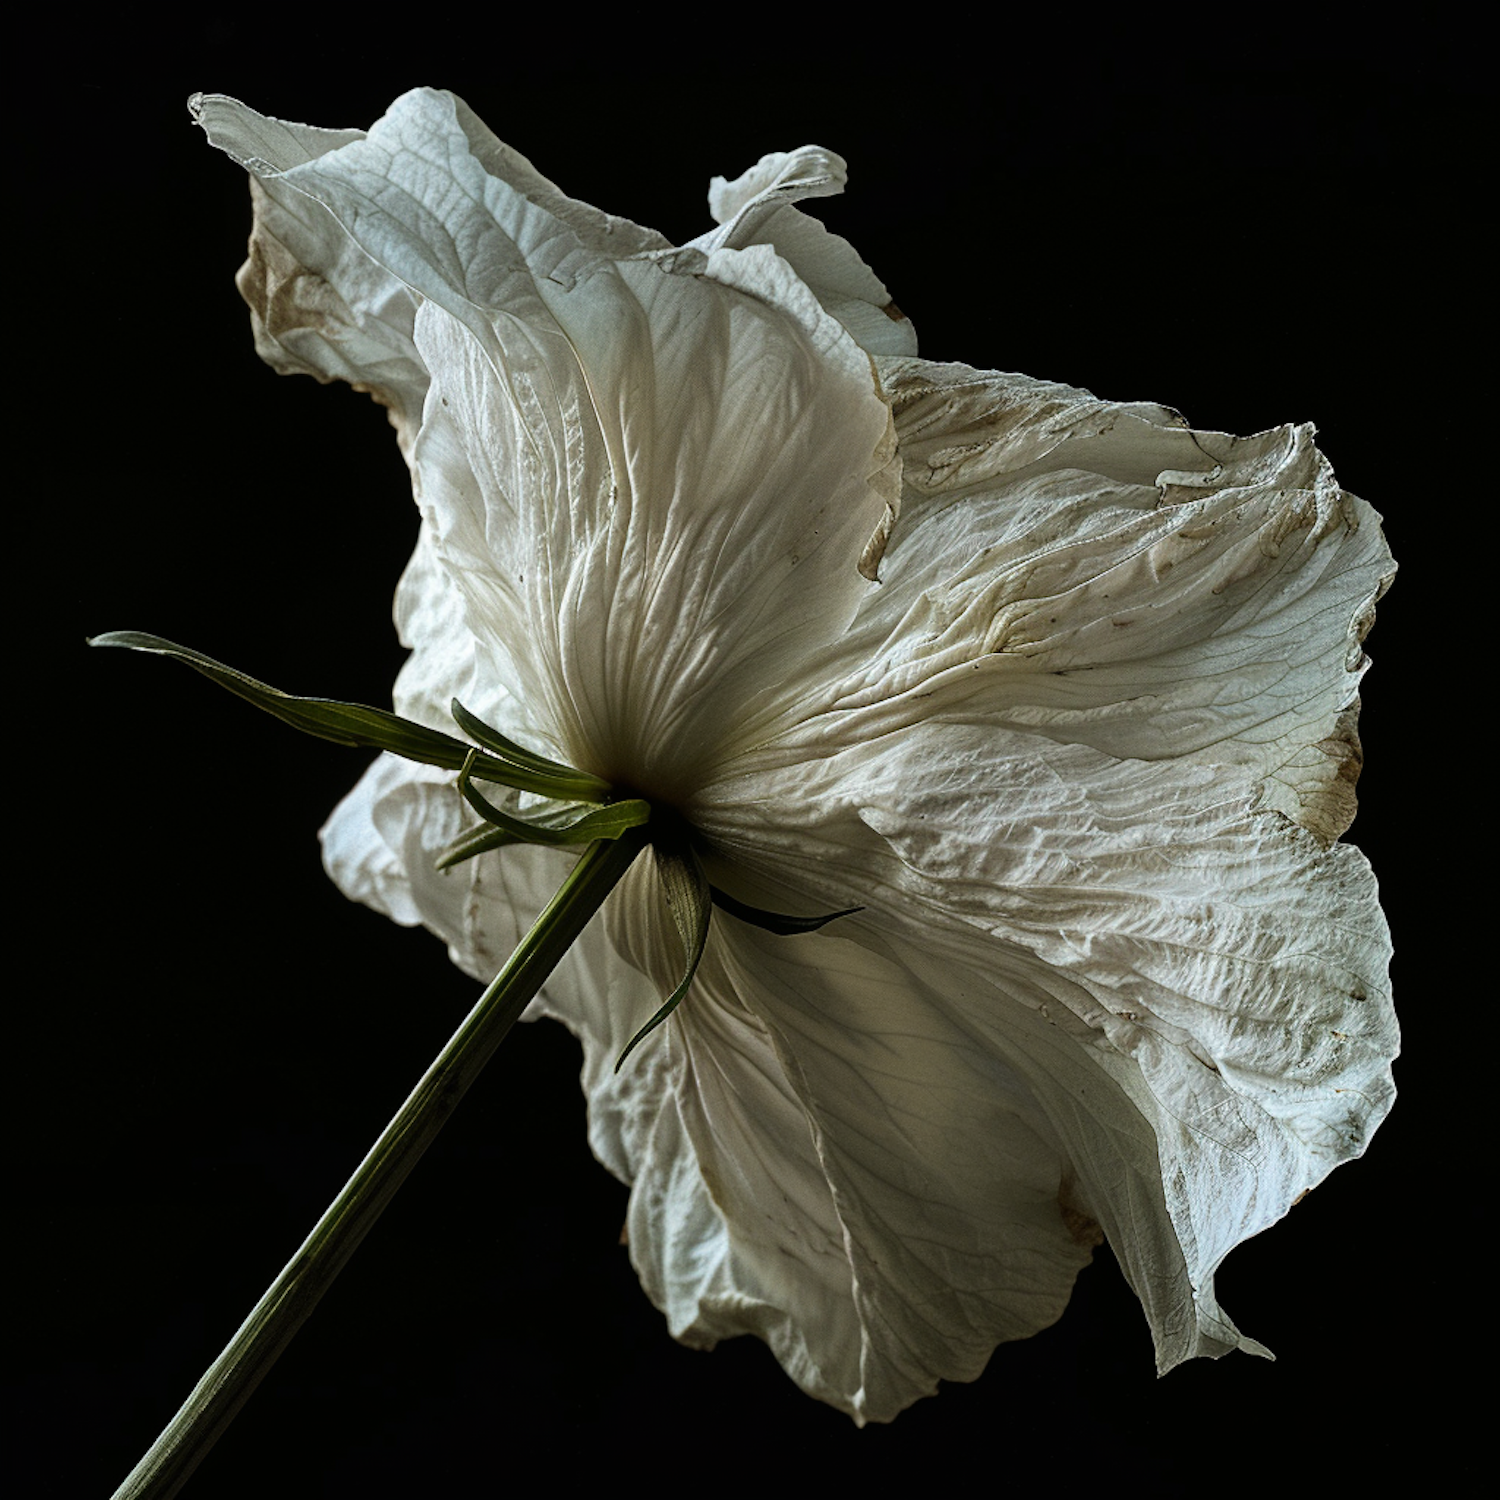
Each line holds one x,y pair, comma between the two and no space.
1255,225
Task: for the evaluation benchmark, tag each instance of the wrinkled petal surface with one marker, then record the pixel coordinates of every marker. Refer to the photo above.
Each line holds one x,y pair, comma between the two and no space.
755,209
1059,691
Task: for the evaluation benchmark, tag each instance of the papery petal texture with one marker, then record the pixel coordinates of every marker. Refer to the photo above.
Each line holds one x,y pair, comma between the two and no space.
756,209
1059,692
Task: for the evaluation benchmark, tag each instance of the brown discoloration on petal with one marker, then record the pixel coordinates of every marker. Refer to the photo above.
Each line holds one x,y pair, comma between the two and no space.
286,300
1074,754
1328,816
1085,1232
1081,1226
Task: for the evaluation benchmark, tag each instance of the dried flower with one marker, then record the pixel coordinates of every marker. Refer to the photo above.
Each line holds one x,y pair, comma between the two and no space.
1058,691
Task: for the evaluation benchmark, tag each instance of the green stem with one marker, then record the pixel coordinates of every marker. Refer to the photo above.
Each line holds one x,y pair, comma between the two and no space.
310,1272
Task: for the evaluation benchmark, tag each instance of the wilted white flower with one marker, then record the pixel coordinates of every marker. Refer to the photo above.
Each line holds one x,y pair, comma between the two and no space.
1060,692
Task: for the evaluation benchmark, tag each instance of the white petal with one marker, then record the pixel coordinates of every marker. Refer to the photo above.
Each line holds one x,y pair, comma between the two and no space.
430,195
732,1225
319,305
1216,977
381,843
731,1222
1100,574
444,663
823,1157
596,431
375,845
1066,754
650,572
756,209
955,1197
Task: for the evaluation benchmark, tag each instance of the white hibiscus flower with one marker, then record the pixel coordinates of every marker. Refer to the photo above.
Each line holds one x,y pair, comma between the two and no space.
1059,692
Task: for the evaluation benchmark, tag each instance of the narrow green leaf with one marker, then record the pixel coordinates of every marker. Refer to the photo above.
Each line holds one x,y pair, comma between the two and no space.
775,921
685,889
486,836
589,788
472,842
540,820
354,724
607,822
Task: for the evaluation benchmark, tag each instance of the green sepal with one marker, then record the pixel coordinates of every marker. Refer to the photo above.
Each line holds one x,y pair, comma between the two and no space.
607,822
685,889
479,840
354,724
775,921
486,836
574,786
472,842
